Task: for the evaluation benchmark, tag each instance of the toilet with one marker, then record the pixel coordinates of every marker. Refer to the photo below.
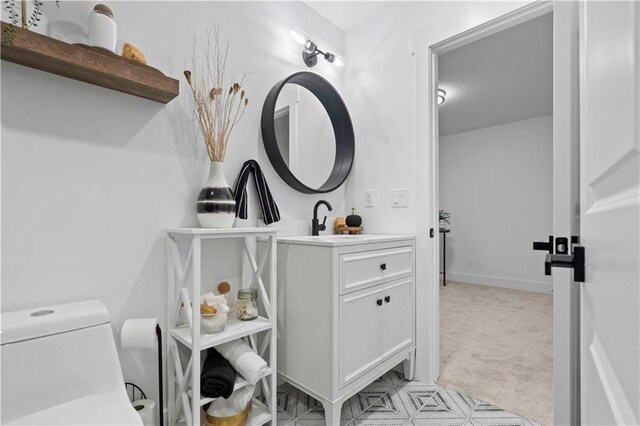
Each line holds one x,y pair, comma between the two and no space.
60,367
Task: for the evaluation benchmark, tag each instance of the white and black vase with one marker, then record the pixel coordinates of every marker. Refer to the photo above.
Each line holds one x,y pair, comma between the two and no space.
216,205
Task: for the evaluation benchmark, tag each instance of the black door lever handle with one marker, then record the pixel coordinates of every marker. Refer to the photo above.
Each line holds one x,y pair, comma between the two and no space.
575,261
543,245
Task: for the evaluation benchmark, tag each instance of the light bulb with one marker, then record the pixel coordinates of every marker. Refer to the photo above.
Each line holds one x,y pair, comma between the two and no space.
338,62
298,37
441,96
310,46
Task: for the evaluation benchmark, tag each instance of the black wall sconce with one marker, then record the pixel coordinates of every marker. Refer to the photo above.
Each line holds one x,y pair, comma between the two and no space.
311,52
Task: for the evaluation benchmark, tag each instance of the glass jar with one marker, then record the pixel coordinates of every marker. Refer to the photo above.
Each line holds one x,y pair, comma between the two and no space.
247,304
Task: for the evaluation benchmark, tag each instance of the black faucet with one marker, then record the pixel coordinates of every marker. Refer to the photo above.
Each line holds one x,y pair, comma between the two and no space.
316,226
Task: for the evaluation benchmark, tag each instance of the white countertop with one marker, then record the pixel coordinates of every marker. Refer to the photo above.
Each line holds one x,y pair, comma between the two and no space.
332,240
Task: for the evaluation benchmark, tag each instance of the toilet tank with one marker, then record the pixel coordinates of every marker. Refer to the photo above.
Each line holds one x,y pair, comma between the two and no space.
55,354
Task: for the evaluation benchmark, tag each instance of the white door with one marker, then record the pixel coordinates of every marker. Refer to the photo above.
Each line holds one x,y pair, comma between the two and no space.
397,316
610,177
360,332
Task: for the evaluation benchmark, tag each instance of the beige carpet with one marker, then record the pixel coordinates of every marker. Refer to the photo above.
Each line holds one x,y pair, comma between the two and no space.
496,345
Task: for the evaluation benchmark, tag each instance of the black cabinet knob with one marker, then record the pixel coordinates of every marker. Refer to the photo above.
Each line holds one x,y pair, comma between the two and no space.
387,299
383,266
379,302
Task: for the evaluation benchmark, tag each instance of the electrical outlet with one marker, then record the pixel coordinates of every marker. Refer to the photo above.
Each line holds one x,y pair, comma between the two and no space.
469,261
400,197
369,200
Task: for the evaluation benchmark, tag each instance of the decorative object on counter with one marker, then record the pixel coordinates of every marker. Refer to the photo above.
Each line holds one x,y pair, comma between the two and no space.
247,304
216,206
444,218
145,333
244,360
213,313
348,230
232,412
103,30
218,376
353,220
129,51
341,225
218,110
270,211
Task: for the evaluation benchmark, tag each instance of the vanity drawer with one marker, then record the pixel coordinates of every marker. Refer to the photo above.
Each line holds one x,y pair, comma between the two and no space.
364,269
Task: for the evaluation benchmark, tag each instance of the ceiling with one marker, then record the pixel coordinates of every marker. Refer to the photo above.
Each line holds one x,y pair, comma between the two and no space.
347,15
502,78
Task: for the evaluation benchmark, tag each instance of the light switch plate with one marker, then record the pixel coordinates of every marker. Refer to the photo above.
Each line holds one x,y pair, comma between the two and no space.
369,200
400,197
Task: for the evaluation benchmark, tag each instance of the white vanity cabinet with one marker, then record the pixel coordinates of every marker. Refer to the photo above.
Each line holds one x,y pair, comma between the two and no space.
346,313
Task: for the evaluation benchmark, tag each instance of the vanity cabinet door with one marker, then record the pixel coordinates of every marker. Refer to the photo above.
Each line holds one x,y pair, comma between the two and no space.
360,332
397,316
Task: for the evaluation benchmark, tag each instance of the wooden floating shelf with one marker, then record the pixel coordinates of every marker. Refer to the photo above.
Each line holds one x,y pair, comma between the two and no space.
89,64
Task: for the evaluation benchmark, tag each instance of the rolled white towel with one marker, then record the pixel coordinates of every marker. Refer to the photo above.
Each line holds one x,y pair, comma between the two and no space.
244,360
236,403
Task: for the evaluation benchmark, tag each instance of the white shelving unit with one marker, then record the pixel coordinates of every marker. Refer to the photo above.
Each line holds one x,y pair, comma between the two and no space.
184,285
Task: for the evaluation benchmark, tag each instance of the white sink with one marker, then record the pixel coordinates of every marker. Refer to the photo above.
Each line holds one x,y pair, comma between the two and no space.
335,240
342,237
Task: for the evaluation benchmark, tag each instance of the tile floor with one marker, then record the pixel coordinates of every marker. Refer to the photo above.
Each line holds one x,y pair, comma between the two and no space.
391,400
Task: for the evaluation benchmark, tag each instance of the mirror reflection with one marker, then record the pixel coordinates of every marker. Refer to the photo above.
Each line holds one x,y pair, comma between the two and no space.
304,135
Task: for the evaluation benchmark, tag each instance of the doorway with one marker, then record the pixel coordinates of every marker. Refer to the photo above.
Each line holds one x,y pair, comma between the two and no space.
566,360
495,183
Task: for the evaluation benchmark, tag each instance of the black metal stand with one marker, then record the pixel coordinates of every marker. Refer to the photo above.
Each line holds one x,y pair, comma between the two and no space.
160,382
444,233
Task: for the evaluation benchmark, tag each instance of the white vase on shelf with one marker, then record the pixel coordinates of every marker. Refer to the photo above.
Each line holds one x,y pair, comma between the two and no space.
216,205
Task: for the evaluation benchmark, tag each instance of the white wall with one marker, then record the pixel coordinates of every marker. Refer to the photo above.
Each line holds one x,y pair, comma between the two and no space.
91,177
382,56
497,184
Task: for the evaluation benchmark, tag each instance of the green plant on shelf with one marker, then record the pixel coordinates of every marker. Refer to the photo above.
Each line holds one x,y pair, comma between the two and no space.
445,217
18,16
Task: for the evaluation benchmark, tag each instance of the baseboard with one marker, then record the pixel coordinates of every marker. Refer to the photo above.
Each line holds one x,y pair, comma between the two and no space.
516,284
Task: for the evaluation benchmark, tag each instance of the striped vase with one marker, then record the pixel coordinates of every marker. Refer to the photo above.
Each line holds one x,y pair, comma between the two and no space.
216,205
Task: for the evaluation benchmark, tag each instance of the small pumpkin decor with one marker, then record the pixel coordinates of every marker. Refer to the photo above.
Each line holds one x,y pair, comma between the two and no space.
219,106
353,220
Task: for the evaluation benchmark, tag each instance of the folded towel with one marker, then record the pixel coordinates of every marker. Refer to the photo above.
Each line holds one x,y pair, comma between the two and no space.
232,406
245,361
270,211
218,377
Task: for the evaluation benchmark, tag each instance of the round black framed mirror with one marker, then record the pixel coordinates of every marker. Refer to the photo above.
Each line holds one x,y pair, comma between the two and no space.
324,157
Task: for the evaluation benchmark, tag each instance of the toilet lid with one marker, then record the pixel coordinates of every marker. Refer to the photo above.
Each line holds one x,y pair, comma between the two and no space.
112,408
